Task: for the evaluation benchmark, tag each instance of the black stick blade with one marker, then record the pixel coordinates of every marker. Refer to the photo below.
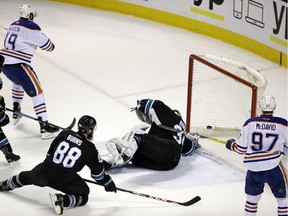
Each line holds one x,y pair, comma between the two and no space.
191,202
72,124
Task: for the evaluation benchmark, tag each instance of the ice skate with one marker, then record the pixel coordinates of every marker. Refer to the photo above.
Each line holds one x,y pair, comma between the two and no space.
47,131
196,138
57,202
12,159
16,108
3,186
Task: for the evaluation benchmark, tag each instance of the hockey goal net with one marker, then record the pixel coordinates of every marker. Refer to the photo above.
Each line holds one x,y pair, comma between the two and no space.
222,94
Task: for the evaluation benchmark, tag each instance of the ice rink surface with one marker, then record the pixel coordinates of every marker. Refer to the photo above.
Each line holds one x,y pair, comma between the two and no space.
103,63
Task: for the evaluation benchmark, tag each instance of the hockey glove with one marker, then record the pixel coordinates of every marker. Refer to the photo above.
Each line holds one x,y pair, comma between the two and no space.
108,184
229,143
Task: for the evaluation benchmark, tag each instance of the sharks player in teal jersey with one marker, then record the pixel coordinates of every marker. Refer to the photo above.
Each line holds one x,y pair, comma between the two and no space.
21,40
263,142
151,145
5,145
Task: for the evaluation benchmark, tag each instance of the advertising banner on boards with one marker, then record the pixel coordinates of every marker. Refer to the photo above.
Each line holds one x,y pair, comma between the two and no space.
261,20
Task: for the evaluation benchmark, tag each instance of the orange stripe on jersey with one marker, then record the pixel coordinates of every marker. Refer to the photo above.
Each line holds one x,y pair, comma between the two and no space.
282,212
261,155
235,148
18,94
34,79
47,46
40,108
251,207
17,54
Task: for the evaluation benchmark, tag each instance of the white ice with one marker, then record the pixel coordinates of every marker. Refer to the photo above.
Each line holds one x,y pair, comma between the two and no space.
103,63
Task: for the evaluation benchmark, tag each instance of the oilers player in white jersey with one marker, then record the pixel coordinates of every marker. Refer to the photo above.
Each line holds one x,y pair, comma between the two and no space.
21,40
263,142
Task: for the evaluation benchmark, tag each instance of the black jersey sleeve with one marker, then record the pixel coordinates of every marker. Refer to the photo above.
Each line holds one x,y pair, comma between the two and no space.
96,167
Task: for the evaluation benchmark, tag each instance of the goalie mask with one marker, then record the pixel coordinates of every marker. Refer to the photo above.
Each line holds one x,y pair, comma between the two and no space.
87,125
27,12
142,110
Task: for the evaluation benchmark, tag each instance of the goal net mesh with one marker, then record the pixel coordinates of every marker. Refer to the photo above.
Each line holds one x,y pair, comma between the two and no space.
222,94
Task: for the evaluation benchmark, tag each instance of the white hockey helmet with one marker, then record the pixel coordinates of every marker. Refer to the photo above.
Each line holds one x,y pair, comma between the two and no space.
267,104
27,12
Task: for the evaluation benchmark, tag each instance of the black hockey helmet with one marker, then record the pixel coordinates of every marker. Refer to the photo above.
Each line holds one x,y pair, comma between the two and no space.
87,125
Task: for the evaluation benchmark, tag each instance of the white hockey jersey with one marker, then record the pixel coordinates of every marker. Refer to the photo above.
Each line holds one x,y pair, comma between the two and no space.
263,141
22,39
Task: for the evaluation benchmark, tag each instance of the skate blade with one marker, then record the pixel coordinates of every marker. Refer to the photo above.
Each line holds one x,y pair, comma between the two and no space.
56,207
16,121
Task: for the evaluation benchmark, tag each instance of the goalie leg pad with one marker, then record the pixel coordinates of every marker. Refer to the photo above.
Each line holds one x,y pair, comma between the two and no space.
138,129
126,147
120,149
115,152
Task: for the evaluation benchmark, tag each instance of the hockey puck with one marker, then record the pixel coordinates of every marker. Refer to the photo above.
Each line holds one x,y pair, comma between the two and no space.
209,127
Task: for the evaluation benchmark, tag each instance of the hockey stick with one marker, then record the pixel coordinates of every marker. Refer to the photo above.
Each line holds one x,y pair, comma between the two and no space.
202,136
36,119
209,156
3,27
188,203
213,139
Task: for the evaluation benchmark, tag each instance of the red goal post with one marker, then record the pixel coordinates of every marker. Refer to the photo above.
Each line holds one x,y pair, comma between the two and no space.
221,93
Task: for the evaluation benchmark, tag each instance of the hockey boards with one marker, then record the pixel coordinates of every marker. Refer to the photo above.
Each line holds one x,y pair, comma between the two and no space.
188,203
48,123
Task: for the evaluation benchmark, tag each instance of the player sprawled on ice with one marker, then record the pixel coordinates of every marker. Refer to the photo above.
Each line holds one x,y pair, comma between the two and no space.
5,146
150,145
263,141
69,152
22,38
